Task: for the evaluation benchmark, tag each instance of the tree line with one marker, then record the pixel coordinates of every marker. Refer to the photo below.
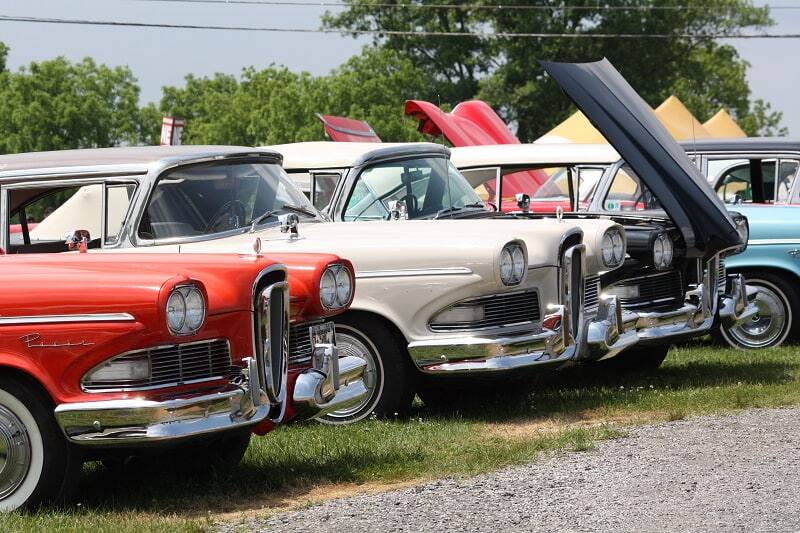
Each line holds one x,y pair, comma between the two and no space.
58,104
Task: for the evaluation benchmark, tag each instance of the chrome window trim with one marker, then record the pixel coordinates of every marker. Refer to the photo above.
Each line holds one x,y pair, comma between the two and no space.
410,272
65,319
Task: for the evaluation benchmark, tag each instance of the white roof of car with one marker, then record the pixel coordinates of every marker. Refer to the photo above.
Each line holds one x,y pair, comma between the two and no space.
532,154
329,154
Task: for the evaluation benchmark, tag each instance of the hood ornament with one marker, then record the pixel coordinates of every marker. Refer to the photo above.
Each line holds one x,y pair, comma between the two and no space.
289,223
257,246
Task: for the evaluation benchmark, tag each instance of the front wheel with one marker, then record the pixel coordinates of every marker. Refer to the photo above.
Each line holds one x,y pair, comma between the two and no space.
387,376
777,303
37,464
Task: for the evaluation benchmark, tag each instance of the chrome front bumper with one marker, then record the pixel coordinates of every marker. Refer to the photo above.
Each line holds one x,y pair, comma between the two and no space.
135,420
696,315
479,353
337,383
738,305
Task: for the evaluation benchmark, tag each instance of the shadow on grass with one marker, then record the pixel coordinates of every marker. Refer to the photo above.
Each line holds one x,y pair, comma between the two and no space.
287,463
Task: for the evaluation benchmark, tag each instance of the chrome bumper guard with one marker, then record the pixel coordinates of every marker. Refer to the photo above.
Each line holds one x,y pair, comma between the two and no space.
495,353
335,383
606,335
137,420
738,305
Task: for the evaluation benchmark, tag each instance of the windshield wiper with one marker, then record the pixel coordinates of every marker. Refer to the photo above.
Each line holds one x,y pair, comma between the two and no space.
453,209
285,207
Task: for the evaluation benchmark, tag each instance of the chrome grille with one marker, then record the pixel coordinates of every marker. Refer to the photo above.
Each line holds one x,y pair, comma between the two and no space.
178,364
591,294
657,289
500,310
721,276
300,343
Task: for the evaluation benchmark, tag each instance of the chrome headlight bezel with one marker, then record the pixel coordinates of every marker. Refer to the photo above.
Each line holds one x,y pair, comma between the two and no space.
742,227
612,248
178,305
338,281
513,264
663,252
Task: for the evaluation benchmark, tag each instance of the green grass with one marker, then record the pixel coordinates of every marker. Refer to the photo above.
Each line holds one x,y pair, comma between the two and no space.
569,410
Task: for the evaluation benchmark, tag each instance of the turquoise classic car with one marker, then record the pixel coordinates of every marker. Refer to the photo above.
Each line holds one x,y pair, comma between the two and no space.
771,263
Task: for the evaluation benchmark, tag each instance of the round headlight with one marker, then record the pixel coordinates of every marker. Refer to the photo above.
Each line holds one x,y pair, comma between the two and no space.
176,311
344,286
663,252
506,267
518,260
607,250
195,308
327,289
618,247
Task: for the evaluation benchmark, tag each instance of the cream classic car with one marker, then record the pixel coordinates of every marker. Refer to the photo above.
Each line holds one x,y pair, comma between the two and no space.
661,298
353,182
432,298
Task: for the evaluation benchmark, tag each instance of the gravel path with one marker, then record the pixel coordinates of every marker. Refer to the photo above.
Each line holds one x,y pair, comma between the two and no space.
736,472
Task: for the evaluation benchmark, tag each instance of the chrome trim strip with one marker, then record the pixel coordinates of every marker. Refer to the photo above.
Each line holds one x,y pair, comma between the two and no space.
65,319
397,273
756,242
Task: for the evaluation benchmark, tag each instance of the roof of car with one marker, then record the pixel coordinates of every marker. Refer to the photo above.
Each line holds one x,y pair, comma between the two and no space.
328,154
533,154
130,155
773,144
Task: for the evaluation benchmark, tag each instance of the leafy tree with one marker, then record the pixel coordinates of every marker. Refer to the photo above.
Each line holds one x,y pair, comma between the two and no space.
3,56
275,105
57,104
705,74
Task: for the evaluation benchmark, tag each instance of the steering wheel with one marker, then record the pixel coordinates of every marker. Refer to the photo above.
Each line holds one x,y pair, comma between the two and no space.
233,208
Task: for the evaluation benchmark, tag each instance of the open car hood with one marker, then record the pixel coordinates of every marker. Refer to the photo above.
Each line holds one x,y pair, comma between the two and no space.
343,129
631,127
470,123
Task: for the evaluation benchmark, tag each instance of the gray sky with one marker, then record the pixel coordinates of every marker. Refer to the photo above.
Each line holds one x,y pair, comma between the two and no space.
163,57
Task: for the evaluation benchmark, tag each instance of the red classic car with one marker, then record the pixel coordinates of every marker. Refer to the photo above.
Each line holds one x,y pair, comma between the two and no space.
104,356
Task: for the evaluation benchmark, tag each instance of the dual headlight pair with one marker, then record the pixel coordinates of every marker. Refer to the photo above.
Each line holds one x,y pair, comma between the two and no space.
612,248
335,287
513,264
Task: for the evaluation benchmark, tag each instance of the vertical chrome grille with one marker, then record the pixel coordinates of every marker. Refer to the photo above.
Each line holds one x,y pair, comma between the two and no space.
271,323
591,294
721,276
572,286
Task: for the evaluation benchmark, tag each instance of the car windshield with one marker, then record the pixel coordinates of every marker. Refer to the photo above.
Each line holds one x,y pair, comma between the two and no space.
425,187
629,193
210,199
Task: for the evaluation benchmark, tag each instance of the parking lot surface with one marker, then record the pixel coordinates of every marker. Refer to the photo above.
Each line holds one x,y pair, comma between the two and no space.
737,472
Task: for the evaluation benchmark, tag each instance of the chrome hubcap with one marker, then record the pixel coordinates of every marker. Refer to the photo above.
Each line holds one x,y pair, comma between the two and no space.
350,345
15,452
768,326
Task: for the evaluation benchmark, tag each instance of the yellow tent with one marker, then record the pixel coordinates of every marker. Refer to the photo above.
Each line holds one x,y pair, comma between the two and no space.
722,126
678,120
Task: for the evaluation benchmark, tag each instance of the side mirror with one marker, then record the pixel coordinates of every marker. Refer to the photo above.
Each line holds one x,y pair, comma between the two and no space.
77,239
398,210
289,224
523,201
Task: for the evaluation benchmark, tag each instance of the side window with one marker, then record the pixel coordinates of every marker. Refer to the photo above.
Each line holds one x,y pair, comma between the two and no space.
324,187
40,217
629,193
484,182
787,172
733,179
118,202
